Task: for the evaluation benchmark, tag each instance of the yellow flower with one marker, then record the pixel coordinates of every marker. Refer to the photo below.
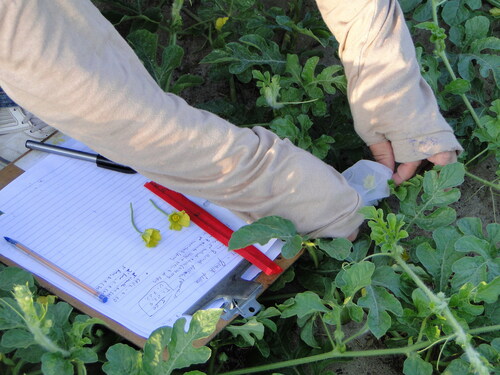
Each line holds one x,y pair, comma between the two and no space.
221,21
178,220
151,237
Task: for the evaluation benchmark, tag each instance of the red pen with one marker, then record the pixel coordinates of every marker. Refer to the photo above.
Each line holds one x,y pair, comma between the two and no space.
214,227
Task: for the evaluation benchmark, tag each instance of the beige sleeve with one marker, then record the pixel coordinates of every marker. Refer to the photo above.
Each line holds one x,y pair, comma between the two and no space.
64,62
389,99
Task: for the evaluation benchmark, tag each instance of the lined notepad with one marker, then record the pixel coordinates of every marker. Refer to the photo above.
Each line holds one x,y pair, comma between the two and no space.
77,216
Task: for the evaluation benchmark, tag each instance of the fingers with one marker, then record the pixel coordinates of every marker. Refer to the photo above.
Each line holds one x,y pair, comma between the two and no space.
443,158
382,152
405,171
353,235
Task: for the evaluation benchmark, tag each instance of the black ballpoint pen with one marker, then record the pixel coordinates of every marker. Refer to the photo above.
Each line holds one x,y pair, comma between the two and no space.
99,160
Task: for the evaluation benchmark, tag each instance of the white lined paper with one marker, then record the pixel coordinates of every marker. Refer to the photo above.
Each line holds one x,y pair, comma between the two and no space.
77,216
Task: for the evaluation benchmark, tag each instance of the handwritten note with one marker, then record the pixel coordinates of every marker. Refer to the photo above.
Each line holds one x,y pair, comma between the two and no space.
77,216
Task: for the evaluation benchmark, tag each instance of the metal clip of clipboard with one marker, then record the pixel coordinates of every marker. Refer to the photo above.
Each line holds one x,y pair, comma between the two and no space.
239,295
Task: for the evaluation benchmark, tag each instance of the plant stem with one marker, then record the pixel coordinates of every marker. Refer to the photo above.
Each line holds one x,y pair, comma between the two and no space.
327,331
475,157
158,208
17,367
483,181
422,327
446,62
132,219
351,354
211,364
442,306
361,332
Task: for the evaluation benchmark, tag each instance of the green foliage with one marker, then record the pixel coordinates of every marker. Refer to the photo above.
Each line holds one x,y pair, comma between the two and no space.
263,230
123,359
251,50
43,331
431,210
421,281
146,46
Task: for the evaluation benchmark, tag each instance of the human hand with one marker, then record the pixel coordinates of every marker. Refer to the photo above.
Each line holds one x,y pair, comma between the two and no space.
383,153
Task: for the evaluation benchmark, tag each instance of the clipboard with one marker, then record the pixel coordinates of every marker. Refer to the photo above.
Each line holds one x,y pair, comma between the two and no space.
239,296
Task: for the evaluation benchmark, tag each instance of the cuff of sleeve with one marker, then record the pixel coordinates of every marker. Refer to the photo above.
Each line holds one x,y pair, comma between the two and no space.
343,226
412,149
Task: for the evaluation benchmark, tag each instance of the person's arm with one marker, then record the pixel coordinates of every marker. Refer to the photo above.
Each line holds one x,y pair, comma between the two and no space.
395,111
63,61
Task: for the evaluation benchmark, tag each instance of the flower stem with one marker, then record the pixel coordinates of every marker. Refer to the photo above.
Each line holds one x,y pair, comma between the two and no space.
158,208
132,219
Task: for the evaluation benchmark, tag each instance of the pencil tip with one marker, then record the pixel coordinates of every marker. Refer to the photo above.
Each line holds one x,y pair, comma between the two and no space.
10,240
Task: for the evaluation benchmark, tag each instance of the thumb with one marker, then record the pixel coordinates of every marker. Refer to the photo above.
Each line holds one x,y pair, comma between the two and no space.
405,171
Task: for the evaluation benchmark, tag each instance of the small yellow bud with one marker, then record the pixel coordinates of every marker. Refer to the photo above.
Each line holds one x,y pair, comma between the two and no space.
221,21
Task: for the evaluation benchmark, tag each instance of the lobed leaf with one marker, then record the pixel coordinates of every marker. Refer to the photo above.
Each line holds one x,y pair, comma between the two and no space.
303,305
265,229
249,332
378,301
438,261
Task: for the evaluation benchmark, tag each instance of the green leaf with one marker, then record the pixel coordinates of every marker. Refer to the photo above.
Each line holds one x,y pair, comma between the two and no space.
471,226
439,218
338,248
122,359
487,62
302,305
438,262
179,343
85,355
55,364
477,28
17,338
386,277
290,25
263,230
321,146
145,45
458,366
488,292
241,56
11,276
457,11
292,247
249,331
414,365
472,270
435,185
379,301
355,277
458,86
493,230
185,81
421,302
10,314
468,244
307,333
285,128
